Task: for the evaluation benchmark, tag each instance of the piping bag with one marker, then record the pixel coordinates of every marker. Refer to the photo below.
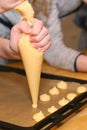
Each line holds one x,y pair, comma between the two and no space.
31,57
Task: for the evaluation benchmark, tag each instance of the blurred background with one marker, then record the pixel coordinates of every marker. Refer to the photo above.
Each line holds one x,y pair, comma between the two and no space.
71,32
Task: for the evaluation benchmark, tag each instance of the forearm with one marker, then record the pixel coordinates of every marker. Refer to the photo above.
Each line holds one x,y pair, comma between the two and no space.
58,55
5,50
81,63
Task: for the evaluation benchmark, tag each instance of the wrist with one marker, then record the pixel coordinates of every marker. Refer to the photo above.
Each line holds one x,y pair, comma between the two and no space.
5,50
76,62
81,63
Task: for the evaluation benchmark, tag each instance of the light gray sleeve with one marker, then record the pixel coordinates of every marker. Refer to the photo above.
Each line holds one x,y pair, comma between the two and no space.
58,54
4,31
10,17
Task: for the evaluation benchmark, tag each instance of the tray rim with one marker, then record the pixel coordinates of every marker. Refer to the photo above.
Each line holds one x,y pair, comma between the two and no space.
21,71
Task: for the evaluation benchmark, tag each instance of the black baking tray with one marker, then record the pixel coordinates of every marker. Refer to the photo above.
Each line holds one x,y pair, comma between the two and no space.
54,118
43,75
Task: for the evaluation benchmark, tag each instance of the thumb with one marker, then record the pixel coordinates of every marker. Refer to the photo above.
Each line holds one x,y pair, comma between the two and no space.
23,27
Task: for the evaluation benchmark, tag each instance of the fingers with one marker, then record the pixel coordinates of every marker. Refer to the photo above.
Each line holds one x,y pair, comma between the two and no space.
44,48
38,25
39,37
43,44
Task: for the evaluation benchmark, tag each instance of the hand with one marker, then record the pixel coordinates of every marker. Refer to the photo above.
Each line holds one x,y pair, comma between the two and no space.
6,5
16,33
40,37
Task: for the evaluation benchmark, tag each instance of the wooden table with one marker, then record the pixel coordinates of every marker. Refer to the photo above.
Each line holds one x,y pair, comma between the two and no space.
79,120
52,70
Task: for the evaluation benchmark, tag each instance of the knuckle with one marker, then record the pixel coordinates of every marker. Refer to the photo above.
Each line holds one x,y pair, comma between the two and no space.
37,39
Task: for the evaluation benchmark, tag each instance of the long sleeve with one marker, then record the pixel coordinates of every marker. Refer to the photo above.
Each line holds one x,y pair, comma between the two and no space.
7,20
58,54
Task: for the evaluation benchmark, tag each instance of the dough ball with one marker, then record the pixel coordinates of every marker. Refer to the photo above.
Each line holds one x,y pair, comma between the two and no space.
81,89
52,109
54,91
38,116
63,102
62,85
45,97
71,96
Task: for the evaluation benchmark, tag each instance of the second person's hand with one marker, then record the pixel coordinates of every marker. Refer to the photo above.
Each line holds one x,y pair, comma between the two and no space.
6,5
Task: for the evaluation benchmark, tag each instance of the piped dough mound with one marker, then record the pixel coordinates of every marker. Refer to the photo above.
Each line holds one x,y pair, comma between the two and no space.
63,102
52,109
54,91
38,116
62,85
81,89
45,97
71,96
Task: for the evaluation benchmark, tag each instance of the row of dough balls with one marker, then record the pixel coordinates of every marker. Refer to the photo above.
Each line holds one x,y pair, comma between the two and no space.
63,85
45,97
52,91
55,91
40,115
70,96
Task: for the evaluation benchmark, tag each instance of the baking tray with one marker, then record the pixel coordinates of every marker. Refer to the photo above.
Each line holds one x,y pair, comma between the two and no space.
43,75
50,119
